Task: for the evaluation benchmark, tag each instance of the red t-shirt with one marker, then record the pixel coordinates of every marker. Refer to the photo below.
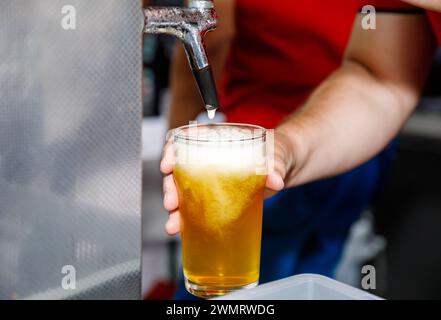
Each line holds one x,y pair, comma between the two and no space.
282,52
435,20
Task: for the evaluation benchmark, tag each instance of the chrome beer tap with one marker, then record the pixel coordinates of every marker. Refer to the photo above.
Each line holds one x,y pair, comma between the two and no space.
189,24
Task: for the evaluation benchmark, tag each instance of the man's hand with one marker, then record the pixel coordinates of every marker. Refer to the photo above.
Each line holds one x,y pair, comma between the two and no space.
283,161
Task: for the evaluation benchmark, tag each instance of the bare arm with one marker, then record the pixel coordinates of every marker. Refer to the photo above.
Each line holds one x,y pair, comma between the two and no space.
352,115
186,102
434,5
362,106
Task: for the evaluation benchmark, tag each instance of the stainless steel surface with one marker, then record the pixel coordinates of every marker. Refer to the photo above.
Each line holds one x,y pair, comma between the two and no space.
70,149
206,4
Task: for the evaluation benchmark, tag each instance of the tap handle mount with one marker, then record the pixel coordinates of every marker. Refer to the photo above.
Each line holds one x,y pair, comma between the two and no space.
190,25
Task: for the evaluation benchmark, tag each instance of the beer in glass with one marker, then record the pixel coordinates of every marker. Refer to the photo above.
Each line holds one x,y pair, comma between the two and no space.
220,173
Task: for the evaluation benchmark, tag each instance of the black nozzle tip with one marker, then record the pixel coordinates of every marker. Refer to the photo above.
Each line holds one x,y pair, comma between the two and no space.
210,107
207,87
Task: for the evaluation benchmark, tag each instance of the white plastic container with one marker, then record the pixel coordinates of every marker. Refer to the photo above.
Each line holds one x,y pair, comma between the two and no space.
302,287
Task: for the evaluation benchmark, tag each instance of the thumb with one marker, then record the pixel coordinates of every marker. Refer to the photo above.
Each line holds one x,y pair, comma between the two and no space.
277,173
274,184
274,181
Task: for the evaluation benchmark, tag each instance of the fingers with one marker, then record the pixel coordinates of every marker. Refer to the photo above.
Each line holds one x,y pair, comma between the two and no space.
171,204
170,201
274,181
170,193
172,226
168,158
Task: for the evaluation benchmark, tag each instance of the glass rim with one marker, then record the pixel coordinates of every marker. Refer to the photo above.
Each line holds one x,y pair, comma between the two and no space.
179,135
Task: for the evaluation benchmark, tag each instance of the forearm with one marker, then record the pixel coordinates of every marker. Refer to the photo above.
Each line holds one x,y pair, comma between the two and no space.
349,119
361,106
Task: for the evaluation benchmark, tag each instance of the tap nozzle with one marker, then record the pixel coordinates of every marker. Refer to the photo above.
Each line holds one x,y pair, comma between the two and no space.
189,25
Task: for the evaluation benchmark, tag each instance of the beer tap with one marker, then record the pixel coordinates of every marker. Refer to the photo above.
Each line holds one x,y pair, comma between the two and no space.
189,25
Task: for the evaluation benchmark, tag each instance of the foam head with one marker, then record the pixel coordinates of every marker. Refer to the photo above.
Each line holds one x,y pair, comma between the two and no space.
225,146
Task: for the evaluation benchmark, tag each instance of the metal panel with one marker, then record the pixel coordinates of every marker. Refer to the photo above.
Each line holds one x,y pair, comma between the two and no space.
70,149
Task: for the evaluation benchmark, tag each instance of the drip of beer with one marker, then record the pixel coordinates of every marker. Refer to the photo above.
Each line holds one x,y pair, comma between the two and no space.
211,114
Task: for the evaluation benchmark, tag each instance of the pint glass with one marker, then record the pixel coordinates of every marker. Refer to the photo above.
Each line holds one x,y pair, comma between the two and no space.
220,173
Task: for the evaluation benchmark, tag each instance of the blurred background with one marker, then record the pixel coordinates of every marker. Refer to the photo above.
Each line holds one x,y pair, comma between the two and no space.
400,234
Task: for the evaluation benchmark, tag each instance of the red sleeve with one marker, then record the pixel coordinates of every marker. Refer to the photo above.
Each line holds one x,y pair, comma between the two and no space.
435,20
389,5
